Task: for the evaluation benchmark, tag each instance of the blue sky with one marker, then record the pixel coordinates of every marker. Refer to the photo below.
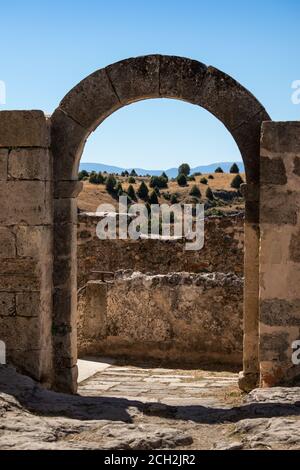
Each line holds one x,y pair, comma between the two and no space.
49,46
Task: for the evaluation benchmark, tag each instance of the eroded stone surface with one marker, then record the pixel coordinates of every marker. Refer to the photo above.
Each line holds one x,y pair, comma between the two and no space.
121,408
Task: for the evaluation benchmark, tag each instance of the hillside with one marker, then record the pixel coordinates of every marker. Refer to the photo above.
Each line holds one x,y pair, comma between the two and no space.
94,195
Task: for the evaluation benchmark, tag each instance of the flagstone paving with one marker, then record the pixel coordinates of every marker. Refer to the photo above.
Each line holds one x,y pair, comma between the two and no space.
143,407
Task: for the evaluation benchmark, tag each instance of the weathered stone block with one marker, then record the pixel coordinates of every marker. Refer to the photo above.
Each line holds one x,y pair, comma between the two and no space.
12,330
274,346
280,312
91,101
136,78
7,304
65,237
66,380
65,211
27,202
294,248
64,269
27,361
227,99
181,78
68,140
30,164
7,243
296,170
278,207
24,129
34,241
28,304
3,164
19,275
272,171
64,305
67,189
280,138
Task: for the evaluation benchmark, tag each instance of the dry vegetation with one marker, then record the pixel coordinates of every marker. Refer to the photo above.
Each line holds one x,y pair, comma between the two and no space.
93,195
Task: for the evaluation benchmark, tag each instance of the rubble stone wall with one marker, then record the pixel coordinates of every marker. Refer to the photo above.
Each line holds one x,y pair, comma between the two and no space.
223,250
180,317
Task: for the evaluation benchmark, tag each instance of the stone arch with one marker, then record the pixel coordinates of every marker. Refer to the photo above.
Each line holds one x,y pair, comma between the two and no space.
81,111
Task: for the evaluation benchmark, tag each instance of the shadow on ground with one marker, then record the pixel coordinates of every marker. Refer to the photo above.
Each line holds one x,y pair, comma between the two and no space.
21,390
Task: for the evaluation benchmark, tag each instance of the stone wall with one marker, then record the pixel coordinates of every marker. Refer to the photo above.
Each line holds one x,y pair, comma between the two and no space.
279,251
223,250
26,241
180,317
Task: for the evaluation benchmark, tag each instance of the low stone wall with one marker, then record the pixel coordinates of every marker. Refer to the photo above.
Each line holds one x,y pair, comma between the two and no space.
179,317
223,250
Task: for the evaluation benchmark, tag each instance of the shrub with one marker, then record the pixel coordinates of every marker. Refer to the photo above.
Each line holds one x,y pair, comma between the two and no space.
211,177
119,189
131,180
219,170
197,173
143,191
82,175
158,182
195,191
153,199
111,184
191,178
174,199
234,169
181,180
203,180
166,195
165,176
101,179
94,179
131,192
209,194
156,189
236,182
184,169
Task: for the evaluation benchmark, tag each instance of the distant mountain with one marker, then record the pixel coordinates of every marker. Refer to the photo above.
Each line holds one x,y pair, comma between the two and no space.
171,172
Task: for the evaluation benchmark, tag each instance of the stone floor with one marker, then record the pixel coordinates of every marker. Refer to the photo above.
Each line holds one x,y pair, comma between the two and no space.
158,385
123,406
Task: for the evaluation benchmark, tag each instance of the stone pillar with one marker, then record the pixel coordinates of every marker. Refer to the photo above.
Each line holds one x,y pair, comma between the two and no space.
65,285
26,242
92,317
249,378
279,252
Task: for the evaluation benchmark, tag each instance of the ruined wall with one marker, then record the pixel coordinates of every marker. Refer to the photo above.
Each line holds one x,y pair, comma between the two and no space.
279,251
223,250
26,241
181,317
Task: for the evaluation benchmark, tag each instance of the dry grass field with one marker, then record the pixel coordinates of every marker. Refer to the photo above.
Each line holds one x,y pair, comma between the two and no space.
93,195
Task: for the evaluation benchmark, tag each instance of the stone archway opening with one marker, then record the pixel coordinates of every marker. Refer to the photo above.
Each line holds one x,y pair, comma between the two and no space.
81,112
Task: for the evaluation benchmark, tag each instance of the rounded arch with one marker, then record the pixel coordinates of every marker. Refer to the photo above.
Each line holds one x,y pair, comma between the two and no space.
83,109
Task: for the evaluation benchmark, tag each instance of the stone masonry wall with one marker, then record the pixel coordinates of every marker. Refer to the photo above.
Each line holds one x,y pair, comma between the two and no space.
280,251
26,241
180,317
223,250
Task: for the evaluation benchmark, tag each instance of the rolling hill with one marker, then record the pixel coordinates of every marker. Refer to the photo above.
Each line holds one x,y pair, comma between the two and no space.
171,172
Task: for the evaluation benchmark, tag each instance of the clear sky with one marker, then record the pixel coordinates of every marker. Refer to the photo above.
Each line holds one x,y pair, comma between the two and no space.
49,46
